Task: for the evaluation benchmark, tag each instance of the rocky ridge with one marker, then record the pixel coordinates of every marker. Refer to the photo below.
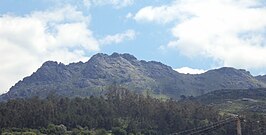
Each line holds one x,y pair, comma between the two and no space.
95,76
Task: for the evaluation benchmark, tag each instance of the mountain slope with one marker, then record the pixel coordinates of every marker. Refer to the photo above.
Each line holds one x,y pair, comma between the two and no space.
101,71
236,100
261,78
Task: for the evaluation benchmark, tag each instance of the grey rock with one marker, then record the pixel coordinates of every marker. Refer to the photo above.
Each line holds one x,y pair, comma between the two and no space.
102,70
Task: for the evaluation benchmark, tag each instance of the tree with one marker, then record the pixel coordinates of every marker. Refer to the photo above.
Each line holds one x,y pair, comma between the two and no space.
118,131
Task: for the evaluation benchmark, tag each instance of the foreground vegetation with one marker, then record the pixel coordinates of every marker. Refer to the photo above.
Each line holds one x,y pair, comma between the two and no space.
118,112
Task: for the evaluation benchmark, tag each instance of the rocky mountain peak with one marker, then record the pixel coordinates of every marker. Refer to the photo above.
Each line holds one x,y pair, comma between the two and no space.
115,55
102,70
129,56
49,64
104,60
98,56
126,56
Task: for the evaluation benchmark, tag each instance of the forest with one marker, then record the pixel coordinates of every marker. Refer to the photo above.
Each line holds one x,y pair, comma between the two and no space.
119,112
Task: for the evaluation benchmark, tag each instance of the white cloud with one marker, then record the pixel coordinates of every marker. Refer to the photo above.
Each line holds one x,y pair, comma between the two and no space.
118,38
162,14
87,3
129,16
27,41
231,32
187,70
116,3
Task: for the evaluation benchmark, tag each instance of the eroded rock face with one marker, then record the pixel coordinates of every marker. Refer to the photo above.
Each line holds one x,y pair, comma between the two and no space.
102,71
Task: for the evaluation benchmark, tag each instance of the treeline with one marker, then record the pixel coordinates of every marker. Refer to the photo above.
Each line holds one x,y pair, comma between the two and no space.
119,111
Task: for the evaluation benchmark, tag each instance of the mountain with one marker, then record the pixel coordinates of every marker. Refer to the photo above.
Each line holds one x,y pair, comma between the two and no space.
95,76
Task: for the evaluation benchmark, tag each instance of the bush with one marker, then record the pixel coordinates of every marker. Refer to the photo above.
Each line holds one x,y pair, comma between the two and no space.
56,129
119,131
101,132
80,131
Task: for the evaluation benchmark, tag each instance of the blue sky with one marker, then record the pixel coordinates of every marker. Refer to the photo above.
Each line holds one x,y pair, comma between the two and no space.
191,36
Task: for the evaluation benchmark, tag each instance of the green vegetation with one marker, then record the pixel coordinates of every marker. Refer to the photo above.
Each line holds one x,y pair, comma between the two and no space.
248,103
236,101
118,112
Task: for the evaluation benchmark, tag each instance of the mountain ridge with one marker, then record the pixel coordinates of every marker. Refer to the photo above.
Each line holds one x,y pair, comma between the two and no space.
102,71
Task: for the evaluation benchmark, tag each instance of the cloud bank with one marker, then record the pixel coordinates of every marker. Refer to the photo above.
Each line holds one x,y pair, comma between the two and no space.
27,41
61,35
230,32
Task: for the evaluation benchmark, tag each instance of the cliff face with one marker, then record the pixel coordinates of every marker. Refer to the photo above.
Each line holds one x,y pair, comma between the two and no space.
101,71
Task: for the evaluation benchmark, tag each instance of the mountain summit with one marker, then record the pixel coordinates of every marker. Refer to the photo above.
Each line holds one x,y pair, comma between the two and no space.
102,71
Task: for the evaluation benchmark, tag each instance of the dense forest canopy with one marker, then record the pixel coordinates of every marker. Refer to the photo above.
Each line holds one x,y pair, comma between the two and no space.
119,111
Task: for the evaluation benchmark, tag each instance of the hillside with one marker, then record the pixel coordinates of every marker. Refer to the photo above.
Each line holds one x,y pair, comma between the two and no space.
102,71
236,100
261,78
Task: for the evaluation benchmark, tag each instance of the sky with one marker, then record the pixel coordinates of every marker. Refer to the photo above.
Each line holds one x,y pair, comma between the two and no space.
191,36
